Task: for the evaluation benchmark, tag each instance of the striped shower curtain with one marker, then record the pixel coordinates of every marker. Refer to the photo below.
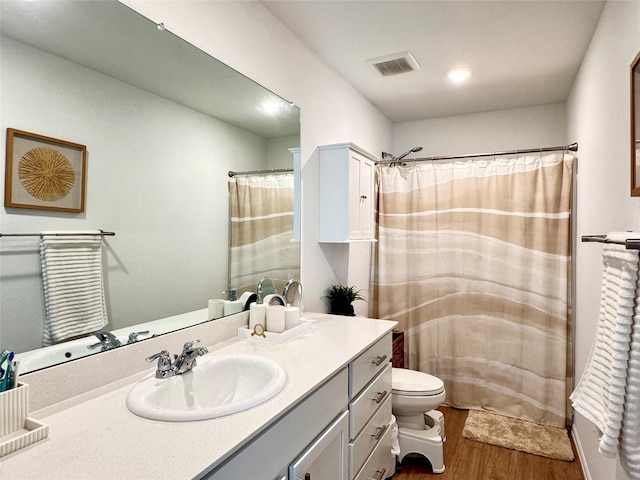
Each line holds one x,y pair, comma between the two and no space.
473,260
261,231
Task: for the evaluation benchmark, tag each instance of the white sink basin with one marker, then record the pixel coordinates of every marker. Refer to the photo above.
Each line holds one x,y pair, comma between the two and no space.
219,385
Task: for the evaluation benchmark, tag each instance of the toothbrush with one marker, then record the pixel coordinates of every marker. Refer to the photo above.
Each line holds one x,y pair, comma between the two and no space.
13,379
3,356
5,379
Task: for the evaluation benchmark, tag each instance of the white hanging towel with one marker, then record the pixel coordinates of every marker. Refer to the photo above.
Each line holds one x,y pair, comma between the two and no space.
608,393
73,285
630,435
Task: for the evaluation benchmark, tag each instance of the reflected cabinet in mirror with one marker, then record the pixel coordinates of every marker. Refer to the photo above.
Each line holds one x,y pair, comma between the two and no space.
163,123
635,127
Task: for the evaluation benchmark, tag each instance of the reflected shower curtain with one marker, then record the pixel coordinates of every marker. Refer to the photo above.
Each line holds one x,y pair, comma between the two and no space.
261,231
474,262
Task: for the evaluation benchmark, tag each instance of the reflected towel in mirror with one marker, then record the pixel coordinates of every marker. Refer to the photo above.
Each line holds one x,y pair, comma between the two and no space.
73,285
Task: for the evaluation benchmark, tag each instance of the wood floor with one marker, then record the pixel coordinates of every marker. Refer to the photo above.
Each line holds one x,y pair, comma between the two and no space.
470,460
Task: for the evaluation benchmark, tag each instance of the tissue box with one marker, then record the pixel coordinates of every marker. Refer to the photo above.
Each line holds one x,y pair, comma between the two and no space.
17,430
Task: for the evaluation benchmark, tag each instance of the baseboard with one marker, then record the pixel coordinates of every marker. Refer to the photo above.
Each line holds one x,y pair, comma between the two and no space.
581,457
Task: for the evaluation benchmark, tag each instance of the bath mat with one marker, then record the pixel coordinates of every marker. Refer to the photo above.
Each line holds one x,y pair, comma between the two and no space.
516,434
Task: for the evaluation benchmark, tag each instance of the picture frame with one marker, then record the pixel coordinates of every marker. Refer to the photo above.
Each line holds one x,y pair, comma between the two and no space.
44,173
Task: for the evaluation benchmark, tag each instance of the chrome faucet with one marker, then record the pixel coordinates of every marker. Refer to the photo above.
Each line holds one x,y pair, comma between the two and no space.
182,363
133,336
107,341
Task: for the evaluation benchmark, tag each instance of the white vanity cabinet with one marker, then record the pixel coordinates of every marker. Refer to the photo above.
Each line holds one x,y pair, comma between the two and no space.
346,194
328,421
370,413
326,458
340,432
320,422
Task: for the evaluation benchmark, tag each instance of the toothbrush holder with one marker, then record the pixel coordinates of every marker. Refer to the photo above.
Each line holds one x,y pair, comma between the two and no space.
17,430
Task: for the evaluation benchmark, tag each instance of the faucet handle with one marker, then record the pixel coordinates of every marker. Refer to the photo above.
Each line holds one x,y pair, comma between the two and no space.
95,345
190,344
104,336
164,359
107,341
164,363
133,336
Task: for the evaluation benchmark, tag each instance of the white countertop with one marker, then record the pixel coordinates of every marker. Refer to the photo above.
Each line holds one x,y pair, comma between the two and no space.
100,439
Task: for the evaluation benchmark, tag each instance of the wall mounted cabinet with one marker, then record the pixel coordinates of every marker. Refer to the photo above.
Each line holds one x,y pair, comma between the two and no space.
346,194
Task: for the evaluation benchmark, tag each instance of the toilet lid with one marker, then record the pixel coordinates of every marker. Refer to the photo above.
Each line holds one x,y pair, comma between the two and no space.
412,382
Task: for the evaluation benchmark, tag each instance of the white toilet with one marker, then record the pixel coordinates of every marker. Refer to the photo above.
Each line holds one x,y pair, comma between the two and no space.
415,395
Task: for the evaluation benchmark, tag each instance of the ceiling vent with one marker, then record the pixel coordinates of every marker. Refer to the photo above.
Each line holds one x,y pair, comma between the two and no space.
394,64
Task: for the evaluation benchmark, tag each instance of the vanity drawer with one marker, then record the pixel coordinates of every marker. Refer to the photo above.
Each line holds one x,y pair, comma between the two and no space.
369,364
370,436
381,464
367,402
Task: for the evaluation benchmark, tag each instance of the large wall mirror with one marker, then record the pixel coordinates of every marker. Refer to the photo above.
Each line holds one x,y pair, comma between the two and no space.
635,127
163,124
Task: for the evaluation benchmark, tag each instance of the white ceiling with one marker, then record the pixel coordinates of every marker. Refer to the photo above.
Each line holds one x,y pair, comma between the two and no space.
523,53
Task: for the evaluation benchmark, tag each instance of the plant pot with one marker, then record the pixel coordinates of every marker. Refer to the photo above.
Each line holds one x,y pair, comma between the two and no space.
341,308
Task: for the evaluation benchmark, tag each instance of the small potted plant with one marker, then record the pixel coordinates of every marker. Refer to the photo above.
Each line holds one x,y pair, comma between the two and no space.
339,299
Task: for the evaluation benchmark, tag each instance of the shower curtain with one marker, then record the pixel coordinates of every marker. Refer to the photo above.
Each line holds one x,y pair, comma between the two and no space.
261,231
473,260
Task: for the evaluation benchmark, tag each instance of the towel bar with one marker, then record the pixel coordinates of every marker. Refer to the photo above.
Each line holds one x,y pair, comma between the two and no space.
62,234
630,243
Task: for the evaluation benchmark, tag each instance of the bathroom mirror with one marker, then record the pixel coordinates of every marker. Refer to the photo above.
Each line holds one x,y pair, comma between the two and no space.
163,123
635,127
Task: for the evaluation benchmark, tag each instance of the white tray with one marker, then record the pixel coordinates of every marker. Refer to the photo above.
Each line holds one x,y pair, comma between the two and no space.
31,432
305,326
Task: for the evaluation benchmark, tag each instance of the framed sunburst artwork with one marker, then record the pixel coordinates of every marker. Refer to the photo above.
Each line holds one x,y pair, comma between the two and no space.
44,173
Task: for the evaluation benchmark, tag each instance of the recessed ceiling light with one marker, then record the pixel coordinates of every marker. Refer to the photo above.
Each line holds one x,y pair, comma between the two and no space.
459,74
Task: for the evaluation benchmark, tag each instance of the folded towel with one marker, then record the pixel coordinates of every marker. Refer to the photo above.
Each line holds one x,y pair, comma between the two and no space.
630,435
73,285
608,393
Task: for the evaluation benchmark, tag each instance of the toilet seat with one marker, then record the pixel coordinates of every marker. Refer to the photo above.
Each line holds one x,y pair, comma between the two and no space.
413,383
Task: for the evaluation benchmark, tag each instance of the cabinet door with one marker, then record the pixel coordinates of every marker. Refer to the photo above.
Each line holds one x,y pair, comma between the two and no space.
361,171
367,169
355,201
326,458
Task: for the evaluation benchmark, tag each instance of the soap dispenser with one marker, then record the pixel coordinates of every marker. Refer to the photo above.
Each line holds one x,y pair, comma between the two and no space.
232,304
257,314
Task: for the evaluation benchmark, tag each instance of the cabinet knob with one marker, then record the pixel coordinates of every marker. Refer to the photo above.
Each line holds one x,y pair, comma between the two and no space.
363,197
381,396
380,474
307,476
379,359
380,432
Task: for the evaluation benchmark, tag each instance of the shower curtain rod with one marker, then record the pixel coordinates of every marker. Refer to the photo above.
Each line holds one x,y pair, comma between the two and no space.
260,172
629,243
101,233
572,147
